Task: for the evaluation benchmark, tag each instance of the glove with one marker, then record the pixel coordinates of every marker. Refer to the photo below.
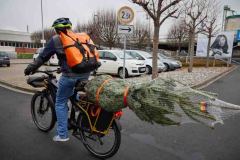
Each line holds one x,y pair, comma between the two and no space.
30,69
99,64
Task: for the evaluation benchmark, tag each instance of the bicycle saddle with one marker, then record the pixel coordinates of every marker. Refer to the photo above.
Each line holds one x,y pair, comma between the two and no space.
80,85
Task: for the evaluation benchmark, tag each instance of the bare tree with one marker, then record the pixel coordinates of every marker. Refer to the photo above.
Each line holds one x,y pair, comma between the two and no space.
210,27
105,27
102,28
37,35
159,11
195,14
177,34
141,35
90,29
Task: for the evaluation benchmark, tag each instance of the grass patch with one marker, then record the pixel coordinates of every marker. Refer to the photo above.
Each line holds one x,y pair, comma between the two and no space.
24,56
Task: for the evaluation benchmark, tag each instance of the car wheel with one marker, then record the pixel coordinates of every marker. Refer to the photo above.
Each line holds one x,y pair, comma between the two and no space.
8,65
120,73
167,67
148,69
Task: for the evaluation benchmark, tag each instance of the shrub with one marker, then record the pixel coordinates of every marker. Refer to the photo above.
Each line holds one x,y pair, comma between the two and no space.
24,56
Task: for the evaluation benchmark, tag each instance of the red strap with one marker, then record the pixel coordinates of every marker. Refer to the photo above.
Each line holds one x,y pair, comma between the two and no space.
100,89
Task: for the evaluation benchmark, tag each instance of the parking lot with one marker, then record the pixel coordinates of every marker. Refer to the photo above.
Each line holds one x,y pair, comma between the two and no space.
14,75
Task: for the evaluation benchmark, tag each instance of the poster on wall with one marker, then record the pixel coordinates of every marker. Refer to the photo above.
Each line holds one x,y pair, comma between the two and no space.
221,45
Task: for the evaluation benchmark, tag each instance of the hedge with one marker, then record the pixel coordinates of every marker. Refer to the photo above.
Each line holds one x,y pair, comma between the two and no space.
201,62
24,56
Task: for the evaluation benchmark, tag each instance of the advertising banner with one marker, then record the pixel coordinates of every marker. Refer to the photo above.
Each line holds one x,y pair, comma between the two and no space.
221,45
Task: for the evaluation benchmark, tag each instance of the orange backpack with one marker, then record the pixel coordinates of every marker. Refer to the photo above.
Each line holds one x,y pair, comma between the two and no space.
81,53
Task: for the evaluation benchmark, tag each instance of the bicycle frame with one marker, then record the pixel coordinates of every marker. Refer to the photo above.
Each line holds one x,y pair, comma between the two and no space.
88,121
83,105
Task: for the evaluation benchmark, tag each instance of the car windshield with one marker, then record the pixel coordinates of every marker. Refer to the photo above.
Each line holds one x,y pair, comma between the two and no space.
164,56
135,55
145,54
120,54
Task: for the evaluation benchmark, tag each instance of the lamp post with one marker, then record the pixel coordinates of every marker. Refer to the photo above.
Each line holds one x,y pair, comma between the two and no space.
96,31
226,9
43,40
149,32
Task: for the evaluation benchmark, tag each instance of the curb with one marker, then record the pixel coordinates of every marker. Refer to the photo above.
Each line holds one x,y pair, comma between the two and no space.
197,86
18,87
213,79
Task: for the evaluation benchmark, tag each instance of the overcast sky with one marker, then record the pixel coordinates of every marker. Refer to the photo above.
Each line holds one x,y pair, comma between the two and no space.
17,14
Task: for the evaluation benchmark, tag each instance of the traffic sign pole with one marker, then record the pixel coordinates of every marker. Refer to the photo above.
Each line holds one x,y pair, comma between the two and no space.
124,56
125,16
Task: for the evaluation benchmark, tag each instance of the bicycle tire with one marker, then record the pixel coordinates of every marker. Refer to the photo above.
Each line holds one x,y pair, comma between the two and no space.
111,152
50,106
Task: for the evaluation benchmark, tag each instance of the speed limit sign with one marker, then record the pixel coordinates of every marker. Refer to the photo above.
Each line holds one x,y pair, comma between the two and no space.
125,15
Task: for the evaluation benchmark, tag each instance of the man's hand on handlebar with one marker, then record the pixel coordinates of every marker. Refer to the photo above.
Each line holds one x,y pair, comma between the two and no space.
30,69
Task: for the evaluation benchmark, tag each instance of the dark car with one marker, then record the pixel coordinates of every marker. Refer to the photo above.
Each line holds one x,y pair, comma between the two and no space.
4,59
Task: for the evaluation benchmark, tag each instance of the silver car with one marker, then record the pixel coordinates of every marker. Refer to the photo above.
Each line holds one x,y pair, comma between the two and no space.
147,57
170,63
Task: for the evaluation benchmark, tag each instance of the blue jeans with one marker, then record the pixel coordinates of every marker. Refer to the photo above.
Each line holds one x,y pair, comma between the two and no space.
65,90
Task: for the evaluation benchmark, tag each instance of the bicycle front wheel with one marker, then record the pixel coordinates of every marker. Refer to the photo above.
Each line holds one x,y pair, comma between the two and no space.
42,110
99,145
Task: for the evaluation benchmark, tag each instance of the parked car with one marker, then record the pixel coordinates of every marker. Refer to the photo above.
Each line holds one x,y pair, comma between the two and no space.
112,63
170,63
147,57
4,59
52,61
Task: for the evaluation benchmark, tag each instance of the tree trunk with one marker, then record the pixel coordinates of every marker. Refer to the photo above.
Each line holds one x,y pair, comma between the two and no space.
192,41
208,50
155,50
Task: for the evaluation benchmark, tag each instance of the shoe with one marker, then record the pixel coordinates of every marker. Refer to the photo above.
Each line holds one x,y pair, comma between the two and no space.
57,138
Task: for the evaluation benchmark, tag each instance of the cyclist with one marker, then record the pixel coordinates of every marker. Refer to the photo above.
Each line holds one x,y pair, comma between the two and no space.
66,82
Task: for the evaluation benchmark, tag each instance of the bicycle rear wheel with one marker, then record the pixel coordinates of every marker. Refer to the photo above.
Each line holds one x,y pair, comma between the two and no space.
42,110
99,145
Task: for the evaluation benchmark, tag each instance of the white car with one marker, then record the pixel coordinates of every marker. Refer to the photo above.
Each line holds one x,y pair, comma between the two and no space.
52,61
112,63
147,57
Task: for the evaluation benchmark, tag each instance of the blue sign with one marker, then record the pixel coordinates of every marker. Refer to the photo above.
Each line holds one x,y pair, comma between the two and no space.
238,36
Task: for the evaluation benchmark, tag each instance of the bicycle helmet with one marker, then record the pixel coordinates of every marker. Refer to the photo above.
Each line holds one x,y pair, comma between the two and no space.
62,23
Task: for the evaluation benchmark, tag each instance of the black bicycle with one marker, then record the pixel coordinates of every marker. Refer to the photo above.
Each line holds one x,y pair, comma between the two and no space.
97,129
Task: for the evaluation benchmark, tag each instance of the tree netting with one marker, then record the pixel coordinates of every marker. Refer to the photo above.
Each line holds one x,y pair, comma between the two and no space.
161,101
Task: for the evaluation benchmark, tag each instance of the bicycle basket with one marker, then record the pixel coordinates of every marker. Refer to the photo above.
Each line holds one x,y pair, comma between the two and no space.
36,81
101,120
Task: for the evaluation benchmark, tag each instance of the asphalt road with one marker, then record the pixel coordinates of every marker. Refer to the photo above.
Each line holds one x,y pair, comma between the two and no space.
21,140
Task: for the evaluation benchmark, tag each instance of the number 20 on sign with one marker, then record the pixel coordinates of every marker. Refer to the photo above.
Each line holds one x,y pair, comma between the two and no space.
125,15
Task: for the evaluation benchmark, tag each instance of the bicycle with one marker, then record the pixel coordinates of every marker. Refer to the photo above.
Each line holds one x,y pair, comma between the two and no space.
97,129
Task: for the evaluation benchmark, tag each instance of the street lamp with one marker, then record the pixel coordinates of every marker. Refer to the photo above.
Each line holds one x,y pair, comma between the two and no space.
226,9
149,31
43,40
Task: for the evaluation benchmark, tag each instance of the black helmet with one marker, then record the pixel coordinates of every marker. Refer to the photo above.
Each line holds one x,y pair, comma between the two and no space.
62,23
